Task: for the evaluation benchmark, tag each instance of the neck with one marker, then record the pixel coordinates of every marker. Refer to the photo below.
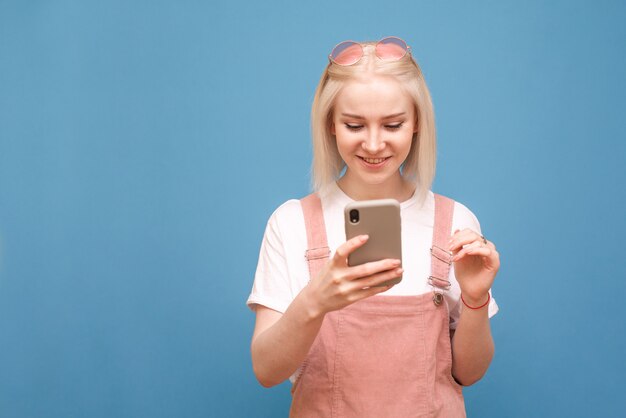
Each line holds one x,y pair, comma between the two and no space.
394,188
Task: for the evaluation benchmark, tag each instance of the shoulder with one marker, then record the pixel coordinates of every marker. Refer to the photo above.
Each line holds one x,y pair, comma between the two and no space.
286,217
464,218
288,209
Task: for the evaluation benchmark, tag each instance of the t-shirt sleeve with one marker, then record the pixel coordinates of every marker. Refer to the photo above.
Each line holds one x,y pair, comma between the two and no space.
464,218
271,281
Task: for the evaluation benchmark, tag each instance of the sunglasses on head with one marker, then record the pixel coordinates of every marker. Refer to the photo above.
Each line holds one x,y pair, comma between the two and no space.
390,48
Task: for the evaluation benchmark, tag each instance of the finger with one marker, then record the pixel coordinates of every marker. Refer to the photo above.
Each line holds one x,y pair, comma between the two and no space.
474,251
377,279
464,234
490,258
488,250
461,251
367,269
464,238
345,249
370,291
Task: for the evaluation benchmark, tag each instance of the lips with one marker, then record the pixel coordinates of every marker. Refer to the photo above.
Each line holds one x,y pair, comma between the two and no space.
373,162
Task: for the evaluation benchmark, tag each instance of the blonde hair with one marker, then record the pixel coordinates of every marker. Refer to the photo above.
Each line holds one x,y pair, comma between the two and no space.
419,166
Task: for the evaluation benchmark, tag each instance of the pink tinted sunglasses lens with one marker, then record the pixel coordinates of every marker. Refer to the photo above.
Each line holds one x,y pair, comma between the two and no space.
347,53
391,49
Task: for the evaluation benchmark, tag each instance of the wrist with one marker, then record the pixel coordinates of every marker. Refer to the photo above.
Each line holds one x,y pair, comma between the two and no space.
313,310
476,302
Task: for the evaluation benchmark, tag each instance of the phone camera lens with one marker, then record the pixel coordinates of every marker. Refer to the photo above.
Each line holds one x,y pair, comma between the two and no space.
354,216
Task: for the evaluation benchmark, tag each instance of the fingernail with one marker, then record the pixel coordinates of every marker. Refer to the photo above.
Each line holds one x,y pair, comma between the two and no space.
399,271
364,238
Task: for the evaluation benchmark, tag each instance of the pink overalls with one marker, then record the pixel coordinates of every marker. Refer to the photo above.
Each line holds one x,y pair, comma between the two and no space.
384,356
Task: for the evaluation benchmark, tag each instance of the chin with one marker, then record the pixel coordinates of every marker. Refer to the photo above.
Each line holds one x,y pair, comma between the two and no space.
375,180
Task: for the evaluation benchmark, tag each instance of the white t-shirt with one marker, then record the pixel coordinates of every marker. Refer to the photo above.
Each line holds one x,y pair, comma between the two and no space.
282,270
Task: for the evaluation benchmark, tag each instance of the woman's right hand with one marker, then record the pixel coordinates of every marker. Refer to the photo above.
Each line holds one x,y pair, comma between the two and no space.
339,285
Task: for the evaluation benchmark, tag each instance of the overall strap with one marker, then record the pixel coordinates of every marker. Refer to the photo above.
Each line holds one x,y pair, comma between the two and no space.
441,258
317,244
318,251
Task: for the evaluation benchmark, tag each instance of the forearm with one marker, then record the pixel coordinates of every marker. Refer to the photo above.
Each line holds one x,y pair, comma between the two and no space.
472,346
279,350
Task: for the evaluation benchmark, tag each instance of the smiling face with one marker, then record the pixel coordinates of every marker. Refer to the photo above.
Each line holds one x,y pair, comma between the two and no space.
374,122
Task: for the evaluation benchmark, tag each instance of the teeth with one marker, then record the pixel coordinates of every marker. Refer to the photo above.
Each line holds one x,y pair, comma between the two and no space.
374,160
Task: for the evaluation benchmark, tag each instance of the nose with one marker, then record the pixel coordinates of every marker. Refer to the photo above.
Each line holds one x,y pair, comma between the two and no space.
374,142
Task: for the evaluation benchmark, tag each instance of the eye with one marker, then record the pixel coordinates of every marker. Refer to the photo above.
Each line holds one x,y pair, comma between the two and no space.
353,127
394,126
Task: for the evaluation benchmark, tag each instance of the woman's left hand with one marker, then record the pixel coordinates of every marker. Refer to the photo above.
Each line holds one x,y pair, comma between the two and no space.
476,263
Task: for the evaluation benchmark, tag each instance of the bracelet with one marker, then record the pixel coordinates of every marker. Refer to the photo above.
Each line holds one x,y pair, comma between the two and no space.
478,307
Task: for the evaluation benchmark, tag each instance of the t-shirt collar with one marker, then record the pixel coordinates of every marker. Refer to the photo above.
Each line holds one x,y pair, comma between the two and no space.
343,199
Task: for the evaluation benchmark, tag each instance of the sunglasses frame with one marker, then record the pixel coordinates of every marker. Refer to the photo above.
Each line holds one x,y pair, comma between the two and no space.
407,50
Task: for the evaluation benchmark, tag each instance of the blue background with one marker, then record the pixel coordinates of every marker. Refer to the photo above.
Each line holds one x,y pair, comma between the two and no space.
144,144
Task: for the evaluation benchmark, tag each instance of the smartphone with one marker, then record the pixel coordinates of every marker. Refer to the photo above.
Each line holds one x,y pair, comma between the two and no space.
380,219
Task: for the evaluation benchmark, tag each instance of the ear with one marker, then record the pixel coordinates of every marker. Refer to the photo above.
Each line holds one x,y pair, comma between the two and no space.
416,125
332,128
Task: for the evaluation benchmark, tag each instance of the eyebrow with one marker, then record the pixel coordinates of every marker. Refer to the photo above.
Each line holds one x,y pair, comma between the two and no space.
349,115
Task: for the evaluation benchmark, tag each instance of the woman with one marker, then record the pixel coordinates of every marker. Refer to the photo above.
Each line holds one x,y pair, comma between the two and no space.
351,348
